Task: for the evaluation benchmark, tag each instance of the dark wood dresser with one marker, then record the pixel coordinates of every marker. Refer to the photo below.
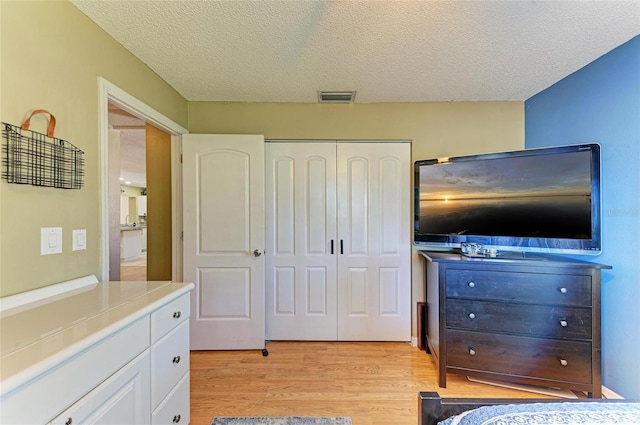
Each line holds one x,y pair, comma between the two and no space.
518,318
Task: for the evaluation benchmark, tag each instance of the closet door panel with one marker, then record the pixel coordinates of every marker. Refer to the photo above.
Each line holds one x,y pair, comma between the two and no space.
357,185
301,293
374,220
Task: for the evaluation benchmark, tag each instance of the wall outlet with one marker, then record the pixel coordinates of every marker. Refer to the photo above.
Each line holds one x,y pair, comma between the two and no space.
50,240
79,240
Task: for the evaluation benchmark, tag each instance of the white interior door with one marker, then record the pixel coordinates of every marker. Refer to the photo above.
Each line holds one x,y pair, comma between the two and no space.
301,241
374,270
223,203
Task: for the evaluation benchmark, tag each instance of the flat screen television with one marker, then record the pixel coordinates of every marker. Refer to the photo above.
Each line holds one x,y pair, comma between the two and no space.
532,200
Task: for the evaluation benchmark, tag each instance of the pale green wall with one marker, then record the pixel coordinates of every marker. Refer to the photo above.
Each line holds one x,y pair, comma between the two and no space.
435,129
51,57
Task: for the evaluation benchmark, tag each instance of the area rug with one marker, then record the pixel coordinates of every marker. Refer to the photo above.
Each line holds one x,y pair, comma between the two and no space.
290,420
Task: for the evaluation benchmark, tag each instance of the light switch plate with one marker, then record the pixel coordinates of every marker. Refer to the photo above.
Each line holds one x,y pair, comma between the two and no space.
79,240
50,240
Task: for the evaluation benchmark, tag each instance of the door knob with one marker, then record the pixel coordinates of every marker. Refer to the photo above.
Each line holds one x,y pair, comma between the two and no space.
257,252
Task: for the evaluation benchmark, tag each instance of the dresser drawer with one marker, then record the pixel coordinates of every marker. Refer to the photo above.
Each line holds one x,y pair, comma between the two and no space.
174,409
169,316
543,288
169,362
520,356
532,320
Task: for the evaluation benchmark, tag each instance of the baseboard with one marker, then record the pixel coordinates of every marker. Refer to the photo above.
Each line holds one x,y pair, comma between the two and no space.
607,393
414,341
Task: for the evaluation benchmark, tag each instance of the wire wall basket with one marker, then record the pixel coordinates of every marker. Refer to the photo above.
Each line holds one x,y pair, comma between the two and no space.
41,160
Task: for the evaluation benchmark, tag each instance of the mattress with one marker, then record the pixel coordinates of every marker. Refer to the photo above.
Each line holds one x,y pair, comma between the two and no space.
590,413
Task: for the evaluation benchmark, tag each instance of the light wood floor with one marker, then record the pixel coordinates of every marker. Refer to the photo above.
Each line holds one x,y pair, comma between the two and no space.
134,269
373,383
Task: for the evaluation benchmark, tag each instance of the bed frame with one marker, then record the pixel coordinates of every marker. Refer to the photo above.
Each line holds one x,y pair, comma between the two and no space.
432,408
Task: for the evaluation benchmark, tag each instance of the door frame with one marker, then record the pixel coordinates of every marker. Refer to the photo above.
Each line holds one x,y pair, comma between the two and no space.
110,93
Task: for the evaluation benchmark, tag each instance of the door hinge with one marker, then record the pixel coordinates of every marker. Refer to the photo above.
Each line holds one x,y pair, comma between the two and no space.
181,236
180,158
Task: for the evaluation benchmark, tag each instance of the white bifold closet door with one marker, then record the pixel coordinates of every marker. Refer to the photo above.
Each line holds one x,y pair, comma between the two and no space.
338,241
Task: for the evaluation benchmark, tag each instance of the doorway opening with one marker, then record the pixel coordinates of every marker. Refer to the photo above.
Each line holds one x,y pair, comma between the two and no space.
114,97
127,134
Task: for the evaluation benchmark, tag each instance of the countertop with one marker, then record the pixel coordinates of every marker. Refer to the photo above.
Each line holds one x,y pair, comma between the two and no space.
130,228
37,339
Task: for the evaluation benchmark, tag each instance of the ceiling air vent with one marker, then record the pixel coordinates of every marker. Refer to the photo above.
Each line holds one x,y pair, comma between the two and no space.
336,96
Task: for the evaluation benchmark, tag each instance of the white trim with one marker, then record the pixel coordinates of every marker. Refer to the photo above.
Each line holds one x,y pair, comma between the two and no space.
43,295
607,393
109,93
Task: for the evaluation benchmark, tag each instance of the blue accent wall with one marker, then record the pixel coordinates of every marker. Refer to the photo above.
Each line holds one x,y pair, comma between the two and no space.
601,103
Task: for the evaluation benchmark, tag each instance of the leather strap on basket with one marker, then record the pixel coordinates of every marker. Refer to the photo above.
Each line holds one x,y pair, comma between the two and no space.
52,121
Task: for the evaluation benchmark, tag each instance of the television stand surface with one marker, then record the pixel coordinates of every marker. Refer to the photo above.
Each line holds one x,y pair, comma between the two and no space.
515,320
515,255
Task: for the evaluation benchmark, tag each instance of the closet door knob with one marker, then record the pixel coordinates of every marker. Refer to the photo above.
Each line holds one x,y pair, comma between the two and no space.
176,359
563,362
176,419
257,252
471,284
563,323
472,316
563,290
472,352
177,314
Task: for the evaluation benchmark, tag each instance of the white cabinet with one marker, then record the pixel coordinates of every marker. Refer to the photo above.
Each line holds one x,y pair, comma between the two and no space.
143,243
142,205
170,363
130,244
121,399
105,354
338,241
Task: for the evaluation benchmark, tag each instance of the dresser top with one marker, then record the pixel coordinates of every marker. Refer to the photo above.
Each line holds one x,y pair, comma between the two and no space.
34,339
520,258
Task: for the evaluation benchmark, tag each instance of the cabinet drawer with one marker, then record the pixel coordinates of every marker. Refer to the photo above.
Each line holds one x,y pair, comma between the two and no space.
543,288
568,361
169,362
532,320
174,409
169,316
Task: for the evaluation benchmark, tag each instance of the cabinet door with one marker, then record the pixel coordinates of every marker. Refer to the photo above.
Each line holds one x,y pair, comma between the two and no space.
142,205
301,298
374,289
124,398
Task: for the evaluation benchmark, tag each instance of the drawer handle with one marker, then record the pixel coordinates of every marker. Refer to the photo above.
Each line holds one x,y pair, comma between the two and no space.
472,316
176,419
472,352
471,284
563,323
563,362
563,290
176,359
69,421
176,315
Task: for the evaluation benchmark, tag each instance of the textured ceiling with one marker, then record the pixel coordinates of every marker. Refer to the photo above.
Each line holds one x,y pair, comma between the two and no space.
389,51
